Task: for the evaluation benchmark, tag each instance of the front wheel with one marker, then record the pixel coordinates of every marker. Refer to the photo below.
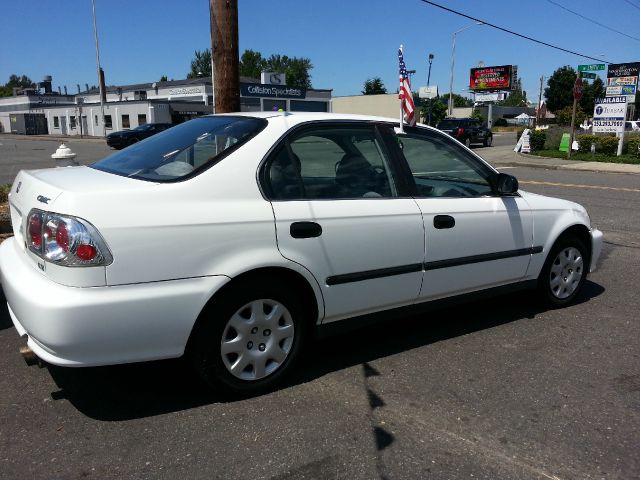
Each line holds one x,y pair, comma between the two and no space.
564,272
488,141
249,340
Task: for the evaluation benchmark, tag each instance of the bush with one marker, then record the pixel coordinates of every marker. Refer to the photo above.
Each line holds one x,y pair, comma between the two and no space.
585,141
537,140
554,135
500,122
633,146
607,145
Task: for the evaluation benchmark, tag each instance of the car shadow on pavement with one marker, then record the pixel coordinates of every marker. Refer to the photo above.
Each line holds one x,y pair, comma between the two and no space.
146,389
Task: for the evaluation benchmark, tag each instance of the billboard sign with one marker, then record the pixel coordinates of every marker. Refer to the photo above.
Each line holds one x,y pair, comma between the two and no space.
622,81
614,91
623,70
491,78
489,97
609,114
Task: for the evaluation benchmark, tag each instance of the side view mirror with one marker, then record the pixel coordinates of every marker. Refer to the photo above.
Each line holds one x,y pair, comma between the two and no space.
506,184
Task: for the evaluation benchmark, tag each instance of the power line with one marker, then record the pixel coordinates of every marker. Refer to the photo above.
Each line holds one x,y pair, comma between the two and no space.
593,21
632,4
513,33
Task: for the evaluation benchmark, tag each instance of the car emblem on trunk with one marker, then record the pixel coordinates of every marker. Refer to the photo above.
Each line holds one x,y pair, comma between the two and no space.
18,187
42,199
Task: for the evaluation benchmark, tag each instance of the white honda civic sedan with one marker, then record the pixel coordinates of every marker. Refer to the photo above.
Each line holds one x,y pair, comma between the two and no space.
232,238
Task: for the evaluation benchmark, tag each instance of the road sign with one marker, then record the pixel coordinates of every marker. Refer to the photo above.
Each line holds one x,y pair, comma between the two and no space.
428,92
609,114
577,89
592,76
592,67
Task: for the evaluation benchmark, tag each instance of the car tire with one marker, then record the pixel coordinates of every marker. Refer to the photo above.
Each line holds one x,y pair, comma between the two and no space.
488,141
467,142
249,339
133,140
564,271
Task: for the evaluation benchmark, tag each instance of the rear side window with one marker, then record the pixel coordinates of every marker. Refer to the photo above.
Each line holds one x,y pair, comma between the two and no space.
331,162
179,151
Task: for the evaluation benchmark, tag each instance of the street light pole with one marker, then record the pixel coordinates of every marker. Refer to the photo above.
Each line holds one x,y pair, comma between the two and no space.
453,62
428,80
100,78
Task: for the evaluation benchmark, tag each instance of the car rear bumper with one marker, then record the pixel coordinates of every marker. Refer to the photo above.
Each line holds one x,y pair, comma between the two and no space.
71,326
597,239
117,142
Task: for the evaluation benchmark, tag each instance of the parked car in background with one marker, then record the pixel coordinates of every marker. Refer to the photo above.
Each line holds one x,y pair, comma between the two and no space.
230,238
124,138
467,131
632,126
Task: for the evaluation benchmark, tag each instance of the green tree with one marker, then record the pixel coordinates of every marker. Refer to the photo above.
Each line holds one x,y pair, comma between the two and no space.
374,86
458,100
251,64
590,92
438,110
559,93
163,78
563,116
296,69
517,97
16,81
201,64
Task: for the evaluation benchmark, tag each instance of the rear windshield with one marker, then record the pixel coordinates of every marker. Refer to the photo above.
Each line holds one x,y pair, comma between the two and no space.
450,123
179,151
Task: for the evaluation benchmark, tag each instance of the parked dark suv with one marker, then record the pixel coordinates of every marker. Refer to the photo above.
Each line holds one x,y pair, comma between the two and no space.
467,131
124,138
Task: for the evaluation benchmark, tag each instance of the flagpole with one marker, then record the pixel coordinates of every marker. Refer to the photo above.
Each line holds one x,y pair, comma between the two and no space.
401,99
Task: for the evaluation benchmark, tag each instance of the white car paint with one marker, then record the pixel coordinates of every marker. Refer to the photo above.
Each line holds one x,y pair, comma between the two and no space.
175,245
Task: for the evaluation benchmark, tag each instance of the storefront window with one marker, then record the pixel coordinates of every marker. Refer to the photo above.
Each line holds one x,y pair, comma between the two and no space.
107,121
56,122
269,105
142,118
308,106
125,121
72,121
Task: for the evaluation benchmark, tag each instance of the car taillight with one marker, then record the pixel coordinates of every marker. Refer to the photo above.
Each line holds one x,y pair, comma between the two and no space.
66,240
459,131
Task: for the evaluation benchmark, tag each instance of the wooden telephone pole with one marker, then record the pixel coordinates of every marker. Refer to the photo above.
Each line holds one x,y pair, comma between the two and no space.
224,55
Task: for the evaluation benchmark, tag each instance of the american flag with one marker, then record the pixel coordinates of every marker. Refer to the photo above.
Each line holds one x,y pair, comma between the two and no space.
405,92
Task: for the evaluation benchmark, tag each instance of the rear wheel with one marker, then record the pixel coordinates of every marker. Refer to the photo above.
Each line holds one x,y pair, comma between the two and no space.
488,141
249,339
467,142
564,271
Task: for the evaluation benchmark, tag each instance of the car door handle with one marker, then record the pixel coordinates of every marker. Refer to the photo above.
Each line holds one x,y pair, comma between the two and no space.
444,221
305,230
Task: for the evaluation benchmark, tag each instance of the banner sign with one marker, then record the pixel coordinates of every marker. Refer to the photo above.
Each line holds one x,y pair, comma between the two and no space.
624,70
491,78
609,114
489,97
591,68
428,92
622,81
265,90
614,91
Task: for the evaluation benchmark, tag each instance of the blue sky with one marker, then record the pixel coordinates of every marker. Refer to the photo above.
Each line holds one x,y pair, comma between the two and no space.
347,41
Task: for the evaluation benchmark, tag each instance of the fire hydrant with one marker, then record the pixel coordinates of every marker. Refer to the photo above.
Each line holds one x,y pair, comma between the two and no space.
64,157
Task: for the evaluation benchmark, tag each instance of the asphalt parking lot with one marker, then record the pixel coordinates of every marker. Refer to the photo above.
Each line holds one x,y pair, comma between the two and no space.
497,389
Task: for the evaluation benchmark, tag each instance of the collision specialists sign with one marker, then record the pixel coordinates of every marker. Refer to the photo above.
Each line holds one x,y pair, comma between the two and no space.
609,114
491,78
266,90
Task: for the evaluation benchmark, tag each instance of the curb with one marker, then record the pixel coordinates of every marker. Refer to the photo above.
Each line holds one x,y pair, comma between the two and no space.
576,165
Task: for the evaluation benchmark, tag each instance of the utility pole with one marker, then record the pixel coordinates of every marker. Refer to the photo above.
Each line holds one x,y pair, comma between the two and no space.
225,56
101,85
539,102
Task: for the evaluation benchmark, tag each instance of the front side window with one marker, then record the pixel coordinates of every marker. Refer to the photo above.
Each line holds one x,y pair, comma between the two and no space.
181,150
332,162
442,168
